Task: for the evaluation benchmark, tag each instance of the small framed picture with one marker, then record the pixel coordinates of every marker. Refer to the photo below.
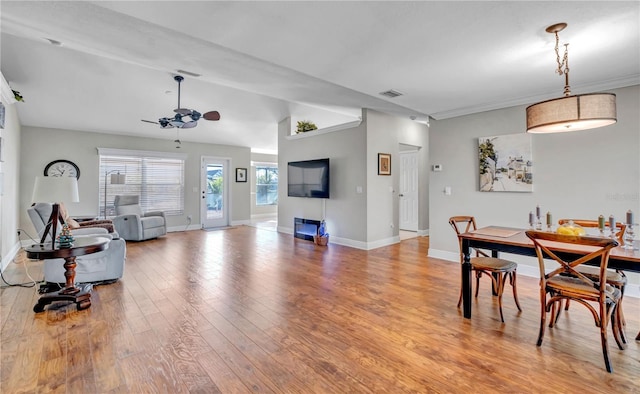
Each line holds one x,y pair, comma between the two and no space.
241,174
384,164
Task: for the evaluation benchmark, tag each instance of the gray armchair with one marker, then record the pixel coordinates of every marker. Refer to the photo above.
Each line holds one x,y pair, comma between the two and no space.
132,224
107,265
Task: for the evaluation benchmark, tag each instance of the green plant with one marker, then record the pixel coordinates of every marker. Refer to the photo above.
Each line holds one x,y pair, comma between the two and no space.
17,95
304,126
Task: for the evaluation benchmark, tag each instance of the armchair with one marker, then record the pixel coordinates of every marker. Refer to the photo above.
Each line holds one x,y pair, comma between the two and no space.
107,265
134,225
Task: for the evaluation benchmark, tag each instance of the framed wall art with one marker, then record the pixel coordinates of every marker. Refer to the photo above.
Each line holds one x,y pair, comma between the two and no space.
241,174
384,164
506,163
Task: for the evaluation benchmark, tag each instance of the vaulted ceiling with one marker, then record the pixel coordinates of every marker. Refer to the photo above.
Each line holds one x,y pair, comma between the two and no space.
104,66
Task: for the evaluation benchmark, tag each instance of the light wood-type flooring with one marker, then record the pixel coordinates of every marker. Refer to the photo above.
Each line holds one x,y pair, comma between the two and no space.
250,310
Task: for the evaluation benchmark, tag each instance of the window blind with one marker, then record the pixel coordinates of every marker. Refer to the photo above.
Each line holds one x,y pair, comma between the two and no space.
157,177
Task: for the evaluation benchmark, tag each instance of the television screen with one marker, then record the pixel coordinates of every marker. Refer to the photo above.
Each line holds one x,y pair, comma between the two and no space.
309,178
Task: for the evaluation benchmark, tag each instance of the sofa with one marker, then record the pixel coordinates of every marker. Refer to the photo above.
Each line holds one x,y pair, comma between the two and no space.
105,266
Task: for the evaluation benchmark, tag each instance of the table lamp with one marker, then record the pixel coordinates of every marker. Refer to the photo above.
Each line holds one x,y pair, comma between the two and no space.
56,190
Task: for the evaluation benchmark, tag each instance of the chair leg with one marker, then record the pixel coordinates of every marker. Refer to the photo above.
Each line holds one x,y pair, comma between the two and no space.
512,278
460,298
543,315
604,317
500,287
478,275
621,321
566,306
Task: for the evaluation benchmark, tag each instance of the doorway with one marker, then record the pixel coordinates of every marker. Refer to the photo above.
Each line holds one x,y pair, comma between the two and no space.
214,206
408,191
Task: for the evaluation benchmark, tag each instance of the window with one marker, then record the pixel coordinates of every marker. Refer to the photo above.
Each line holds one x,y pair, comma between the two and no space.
157,177
266,184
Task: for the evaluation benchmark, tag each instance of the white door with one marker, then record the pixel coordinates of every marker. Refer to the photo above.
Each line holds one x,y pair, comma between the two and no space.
214,192
408,191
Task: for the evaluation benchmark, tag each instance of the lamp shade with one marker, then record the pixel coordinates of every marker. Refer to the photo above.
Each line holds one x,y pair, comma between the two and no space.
118,179
572,113
55,189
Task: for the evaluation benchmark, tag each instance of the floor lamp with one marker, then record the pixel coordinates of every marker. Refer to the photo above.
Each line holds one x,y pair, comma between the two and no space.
116,179
56,190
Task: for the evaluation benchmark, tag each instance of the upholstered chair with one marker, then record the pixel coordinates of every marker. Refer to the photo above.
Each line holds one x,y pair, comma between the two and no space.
105,266
134,225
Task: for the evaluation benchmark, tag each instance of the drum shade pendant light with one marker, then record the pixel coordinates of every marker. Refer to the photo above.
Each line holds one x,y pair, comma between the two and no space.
571,112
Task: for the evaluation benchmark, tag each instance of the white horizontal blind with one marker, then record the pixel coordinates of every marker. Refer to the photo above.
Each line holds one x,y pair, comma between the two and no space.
158,180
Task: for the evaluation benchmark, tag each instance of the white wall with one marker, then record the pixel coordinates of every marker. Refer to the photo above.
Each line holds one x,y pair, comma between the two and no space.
364,220
576,175
9,170
40,146
385,134
345,210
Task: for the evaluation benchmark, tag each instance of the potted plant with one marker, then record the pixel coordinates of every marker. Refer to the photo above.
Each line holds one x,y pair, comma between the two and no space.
304,126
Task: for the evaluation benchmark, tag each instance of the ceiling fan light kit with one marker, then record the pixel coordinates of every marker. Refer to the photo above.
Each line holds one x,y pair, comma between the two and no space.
178,120
571,112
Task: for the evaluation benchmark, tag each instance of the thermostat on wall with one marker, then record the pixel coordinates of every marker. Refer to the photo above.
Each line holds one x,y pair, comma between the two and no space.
436,167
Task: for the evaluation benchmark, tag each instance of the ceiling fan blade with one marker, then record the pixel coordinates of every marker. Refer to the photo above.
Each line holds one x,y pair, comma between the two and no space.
212,115
182,111
149,121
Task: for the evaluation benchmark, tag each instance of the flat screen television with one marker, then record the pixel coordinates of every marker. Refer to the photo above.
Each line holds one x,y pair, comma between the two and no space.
308,178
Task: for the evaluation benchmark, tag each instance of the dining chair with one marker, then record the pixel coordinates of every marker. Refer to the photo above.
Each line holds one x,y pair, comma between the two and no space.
564,282
616,278
495,268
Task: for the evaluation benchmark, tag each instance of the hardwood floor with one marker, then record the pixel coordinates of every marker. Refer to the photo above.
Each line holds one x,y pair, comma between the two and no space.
252,310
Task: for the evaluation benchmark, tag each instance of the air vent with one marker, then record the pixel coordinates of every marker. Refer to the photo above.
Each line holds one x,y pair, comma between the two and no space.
391,93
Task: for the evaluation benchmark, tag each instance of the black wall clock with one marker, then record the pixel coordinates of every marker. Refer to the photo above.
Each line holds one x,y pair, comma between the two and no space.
62,168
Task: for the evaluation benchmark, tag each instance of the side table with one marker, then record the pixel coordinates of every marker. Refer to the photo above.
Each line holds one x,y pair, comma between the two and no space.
81,246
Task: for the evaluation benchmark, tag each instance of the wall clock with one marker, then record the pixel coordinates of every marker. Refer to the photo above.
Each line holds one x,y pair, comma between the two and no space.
62,168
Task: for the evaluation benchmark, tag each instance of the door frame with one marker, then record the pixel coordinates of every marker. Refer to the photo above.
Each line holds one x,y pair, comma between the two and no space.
226,200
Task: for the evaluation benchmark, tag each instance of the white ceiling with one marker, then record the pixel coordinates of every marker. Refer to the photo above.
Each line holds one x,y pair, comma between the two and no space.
322,61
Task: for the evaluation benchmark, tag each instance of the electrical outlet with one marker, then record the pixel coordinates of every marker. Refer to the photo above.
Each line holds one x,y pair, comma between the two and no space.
189,218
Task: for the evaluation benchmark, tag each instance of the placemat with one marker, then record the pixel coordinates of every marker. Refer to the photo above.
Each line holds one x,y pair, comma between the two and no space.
497,232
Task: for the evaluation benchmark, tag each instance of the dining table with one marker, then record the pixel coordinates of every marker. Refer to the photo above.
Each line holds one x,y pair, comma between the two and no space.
500,239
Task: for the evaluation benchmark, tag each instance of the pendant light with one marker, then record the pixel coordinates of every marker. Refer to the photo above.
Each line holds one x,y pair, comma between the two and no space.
571,112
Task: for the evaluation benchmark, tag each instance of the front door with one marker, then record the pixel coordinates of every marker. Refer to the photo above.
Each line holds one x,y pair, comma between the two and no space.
214,192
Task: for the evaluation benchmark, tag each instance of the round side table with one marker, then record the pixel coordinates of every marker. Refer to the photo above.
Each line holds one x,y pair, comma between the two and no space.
80,247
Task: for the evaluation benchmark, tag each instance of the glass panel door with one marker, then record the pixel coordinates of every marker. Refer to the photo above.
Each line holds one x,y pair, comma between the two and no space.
214,193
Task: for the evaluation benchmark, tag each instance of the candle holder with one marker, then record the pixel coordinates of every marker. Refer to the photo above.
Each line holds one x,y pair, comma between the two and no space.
549,228
538,224
629,236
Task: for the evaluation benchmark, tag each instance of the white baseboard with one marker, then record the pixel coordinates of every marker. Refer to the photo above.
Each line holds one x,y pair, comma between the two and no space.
13,252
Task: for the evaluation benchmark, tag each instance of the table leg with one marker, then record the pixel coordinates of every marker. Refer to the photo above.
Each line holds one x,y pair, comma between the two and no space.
495,254
466,279
82,299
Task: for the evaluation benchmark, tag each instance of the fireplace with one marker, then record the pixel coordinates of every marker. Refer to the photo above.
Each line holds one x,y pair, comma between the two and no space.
305,228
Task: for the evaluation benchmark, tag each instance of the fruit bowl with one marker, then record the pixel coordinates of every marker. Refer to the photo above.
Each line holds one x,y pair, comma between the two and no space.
570,228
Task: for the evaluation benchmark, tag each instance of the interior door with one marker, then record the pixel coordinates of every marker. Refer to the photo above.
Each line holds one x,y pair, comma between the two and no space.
214,207
408,191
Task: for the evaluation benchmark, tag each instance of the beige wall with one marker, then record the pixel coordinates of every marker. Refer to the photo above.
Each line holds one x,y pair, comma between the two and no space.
40,146
576,175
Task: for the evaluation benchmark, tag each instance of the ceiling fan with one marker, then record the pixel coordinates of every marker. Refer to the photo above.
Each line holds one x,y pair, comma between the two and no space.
184,118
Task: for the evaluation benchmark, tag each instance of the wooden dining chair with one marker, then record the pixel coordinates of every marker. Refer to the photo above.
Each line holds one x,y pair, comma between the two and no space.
616,278
565,282
495,268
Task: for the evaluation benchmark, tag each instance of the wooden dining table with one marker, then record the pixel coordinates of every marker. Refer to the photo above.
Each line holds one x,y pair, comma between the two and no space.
514,240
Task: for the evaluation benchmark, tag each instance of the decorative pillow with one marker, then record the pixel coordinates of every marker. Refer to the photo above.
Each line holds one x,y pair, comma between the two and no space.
72,223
